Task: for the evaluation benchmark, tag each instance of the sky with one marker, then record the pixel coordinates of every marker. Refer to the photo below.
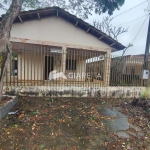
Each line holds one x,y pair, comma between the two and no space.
134,27
126,38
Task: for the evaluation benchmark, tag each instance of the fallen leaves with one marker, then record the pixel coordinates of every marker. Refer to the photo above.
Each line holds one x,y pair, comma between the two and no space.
21,116
65,123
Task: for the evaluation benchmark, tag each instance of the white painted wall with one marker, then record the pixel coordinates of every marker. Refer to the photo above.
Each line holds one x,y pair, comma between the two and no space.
52,29
30,67
55,30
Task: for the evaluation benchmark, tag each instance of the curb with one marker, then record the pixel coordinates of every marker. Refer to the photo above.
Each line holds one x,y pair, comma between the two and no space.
9,105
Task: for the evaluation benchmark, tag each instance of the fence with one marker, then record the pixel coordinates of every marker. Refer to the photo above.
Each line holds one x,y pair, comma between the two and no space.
126,71
52,66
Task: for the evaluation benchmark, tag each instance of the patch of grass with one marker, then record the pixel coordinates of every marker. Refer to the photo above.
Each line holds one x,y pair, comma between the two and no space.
121,96
103,102
16,125
53,102
36,112
145,94
42,146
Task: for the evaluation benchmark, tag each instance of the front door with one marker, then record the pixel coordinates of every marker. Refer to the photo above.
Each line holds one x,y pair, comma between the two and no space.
48,66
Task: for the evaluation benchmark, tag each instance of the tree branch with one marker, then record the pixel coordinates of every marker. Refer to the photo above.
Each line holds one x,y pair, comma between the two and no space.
9,17
106,27
5,28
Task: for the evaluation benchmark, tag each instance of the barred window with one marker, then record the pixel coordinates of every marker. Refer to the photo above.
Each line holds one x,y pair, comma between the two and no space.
70,64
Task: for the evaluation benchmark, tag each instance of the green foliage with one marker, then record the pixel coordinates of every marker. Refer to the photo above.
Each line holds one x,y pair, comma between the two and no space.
16,125
145,94
52,102
81,8
121,96
14,55
94,117
102,6
103,102
42,146
36,112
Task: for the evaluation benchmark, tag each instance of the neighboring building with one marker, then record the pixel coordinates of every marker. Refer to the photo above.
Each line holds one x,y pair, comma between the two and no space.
127,68
53,39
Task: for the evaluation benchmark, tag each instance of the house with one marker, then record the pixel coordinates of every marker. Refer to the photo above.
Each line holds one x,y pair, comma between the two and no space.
52,42
127,70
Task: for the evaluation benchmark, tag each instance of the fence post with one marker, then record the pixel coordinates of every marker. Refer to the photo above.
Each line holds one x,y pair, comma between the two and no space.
106,75
63,63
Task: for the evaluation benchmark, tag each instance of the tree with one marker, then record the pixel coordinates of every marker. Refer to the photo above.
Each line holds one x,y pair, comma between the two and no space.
82,8
106,26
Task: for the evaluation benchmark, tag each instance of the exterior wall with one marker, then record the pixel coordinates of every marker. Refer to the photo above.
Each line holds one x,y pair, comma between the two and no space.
30,67
127,64
133,63
137,68
80,68
55,30
112,92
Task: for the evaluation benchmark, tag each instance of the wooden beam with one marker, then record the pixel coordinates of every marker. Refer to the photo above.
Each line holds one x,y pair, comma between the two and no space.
57,13
39,16
88,30
76,23
112,44
20,19
101,37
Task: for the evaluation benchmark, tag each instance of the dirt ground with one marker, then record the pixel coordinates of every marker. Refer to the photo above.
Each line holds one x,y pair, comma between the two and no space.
69,124
5,99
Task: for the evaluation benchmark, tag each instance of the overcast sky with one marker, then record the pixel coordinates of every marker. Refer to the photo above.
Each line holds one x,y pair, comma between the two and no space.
126,38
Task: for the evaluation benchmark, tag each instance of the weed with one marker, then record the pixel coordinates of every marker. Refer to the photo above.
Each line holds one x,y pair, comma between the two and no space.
42,146
36,112
16,125
52,102
121,96
7,117
145,94
103,102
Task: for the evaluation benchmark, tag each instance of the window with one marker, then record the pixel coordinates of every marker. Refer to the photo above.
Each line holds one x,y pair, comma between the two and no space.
132,71
70,64
126,69
14,67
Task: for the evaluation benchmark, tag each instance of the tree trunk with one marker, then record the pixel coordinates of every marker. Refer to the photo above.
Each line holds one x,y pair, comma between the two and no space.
5,45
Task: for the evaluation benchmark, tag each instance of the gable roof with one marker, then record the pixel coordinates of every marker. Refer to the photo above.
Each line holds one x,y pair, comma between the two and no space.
56,11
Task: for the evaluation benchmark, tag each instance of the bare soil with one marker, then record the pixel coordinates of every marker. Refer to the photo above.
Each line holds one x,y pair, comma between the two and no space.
5,99
69,124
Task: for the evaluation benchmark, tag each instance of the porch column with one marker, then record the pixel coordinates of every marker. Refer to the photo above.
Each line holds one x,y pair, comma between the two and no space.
106,75
63,61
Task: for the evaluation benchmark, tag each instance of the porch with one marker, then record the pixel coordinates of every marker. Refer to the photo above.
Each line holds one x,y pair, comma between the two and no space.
62,66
